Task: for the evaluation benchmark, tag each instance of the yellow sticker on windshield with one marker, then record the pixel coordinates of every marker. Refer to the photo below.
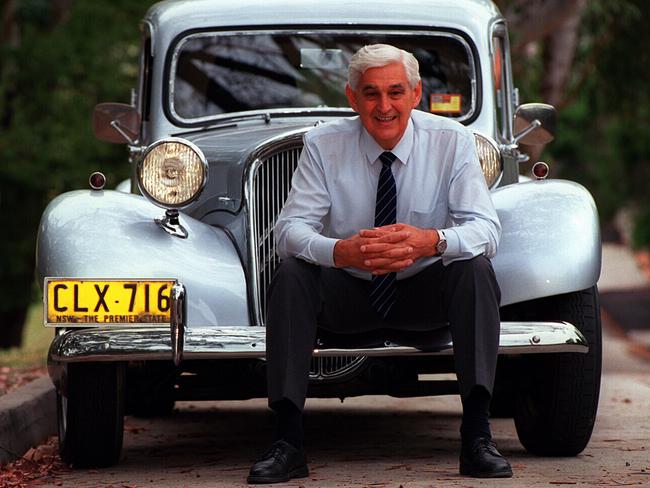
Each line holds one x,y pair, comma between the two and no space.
445,103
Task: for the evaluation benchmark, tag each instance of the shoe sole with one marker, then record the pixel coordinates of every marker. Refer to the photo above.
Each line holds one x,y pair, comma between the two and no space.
301,472
465,471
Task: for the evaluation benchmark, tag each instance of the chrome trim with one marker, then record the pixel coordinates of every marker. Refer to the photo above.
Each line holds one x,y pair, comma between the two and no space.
533,125
147,28
177,326
495,146
360,33
497,28
116,125
543,164
261,154
171,224
154,343
194,148
97,187
334,368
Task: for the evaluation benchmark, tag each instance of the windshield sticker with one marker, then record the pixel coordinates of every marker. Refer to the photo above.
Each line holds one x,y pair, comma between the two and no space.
445,103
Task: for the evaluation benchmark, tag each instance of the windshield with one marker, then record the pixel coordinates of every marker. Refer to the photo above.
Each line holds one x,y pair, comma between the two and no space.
224,73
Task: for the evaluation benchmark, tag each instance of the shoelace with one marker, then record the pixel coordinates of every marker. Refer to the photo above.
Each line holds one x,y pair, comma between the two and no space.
274,450
488,444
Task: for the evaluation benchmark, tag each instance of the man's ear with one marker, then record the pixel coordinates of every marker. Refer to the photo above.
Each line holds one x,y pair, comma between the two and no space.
352,99
418,94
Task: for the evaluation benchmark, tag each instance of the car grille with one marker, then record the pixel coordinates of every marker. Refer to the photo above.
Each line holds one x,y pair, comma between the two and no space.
268,185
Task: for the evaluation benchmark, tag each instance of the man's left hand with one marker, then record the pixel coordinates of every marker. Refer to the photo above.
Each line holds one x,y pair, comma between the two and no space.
379,256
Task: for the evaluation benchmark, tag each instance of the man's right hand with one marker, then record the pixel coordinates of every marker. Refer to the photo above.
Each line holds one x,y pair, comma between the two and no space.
348,253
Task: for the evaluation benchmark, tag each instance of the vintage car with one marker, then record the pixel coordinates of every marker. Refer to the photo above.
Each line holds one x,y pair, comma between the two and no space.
156,289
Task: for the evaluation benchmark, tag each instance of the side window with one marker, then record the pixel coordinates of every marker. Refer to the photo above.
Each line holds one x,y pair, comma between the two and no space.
499,80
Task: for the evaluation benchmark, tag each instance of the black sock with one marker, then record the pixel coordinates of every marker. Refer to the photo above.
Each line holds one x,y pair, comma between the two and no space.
288,423
475,415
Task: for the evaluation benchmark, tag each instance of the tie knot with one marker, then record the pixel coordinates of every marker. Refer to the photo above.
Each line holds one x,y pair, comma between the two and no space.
387,158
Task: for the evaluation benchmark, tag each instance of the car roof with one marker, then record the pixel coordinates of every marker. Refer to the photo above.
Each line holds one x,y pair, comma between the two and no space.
172,17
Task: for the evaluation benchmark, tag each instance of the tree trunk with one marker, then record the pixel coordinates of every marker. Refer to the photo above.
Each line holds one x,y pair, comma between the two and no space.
559,52
9,31
533,20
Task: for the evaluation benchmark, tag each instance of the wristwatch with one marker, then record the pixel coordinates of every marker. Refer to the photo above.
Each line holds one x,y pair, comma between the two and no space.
441,245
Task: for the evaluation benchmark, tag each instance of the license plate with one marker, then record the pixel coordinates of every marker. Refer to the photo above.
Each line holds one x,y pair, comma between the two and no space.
75,302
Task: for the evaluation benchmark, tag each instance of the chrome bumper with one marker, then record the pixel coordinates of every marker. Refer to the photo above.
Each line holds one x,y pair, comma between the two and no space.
155,343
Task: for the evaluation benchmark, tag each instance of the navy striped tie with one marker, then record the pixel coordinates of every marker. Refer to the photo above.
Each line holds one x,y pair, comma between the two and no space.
383,287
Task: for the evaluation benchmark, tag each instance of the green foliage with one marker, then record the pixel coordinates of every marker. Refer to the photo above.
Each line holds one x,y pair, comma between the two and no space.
60,73
603,134
51,75
36,342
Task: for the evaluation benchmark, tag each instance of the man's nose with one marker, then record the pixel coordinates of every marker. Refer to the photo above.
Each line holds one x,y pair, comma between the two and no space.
384,102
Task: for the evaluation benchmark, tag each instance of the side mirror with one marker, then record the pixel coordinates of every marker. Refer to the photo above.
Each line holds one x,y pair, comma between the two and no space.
116,122
535,124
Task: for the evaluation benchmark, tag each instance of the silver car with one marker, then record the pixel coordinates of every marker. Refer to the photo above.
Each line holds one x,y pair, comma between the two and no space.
157,289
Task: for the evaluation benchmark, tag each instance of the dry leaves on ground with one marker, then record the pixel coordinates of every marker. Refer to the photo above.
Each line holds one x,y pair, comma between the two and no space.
12,378
37,466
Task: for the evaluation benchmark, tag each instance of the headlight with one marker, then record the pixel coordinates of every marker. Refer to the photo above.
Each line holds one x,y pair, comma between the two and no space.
490,158
172,172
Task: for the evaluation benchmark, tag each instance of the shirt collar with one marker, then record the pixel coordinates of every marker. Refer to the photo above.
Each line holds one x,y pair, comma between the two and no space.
402,150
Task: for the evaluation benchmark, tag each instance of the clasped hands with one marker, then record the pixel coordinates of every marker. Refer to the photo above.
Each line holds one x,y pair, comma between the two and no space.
386,249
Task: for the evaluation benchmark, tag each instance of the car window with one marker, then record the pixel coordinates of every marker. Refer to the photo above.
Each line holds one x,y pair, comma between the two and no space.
222,73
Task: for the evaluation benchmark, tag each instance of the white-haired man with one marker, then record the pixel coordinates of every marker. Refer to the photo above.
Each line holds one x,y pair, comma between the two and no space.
389,223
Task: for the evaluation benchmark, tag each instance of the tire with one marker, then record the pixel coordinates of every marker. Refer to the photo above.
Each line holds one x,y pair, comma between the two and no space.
90,414
557,394
502,405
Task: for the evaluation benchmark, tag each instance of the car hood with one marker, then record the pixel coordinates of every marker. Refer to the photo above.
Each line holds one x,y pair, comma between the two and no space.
229,150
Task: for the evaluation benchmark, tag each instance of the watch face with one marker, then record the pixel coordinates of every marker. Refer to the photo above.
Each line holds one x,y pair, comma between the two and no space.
441,247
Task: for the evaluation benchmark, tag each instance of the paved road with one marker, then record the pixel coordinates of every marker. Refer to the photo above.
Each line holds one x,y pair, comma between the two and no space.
384,442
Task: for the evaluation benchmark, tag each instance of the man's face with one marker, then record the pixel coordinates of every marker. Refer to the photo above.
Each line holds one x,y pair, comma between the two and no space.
384,100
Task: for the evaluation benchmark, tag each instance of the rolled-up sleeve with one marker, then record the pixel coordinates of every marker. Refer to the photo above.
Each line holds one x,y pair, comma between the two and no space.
475,227
300,223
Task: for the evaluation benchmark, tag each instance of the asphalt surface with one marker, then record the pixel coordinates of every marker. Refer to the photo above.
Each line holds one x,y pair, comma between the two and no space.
27,415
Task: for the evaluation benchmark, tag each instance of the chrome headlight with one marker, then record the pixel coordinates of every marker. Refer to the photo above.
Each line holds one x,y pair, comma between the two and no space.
490,158
172,172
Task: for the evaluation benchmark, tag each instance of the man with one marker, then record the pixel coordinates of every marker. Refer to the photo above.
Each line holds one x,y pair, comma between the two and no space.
389,223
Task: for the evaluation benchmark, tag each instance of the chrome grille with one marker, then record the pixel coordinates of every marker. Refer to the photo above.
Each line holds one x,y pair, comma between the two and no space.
334,367
272,182
268,185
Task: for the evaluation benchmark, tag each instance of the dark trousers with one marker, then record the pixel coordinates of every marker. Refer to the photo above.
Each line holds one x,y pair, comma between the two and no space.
302,296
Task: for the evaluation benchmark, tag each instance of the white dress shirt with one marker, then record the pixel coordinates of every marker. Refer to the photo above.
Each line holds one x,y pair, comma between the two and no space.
440,185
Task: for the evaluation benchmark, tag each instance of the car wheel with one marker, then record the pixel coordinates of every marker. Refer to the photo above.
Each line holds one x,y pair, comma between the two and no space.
90,411
557,394
502,404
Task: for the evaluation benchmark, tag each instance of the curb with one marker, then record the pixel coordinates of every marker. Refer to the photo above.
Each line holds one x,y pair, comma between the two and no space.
27,418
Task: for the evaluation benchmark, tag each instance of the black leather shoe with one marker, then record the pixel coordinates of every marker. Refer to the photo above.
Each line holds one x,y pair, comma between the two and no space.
482,460
281,462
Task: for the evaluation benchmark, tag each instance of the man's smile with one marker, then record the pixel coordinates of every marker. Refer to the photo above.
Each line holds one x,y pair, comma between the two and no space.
385,118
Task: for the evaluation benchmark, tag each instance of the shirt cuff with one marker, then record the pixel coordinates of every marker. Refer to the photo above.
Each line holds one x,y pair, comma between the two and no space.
321,249
453,242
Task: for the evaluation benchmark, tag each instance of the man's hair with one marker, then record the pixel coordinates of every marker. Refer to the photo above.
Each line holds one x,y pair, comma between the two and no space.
378,55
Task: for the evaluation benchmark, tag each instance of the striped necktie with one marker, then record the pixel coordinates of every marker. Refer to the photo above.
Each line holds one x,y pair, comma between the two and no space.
383,287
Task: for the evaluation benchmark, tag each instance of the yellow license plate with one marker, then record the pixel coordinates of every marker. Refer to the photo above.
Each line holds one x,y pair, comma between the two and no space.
74,302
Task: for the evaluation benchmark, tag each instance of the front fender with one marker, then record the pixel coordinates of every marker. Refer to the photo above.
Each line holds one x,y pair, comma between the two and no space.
110,234
550,243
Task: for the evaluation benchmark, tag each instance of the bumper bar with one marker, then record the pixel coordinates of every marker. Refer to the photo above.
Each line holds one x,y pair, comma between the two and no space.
156,343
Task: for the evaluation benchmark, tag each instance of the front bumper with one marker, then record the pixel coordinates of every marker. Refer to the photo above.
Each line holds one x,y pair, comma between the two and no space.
156,343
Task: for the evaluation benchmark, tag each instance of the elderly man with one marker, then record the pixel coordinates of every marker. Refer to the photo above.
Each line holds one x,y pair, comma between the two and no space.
389,223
